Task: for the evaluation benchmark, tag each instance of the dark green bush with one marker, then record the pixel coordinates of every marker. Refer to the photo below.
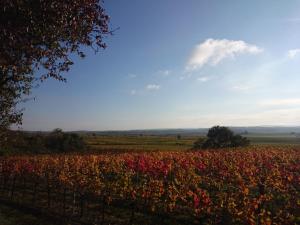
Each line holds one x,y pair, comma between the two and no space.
239,141
59,141
221,137
56,141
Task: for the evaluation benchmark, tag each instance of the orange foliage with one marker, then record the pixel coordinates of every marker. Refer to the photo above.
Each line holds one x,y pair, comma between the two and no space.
256,185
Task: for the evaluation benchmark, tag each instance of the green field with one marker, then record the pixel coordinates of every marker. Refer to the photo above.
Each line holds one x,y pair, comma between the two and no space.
139,143
116,143
274,139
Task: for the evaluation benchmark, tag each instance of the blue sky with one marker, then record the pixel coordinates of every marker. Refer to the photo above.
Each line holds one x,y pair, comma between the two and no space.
181,64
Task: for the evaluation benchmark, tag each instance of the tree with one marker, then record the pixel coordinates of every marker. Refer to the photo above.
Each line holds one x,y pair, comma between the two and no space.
60,141
41,35
32,142
9,114
239,141
221,137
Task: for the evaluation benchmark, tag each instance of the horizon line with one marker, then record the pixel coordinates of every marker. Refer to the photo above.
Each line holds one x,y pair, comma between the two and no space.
152,129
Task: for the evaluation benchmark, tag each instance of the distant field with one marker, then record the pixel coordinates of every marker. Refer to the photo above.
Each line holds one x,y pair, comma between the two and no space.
145,143
274,138
172,142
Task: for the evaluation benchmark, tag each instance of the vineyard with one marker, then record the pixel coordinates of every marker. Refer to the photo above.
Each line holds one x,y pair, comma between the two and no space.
254,185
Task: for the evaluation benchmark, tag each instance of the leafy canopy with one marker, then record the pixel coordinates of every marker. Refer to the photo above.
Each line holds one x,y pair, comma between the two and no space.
41,35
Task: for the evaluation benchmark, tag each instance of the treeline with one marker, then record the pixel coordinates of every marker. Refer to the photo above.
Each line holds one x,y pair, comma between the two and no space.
56,141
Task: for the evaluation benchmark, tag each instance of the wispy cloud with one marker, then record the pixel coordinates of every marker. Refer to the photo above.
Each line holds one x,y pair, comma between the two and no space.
241,87
258,118
293,53
131,75
164,72
204,79
133,92
213,51
281,102
293,20
152,87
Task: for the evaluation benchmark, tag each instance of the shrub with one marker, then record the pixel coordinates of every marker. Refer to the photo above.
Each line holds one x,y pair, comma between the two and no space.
64,142
239,141
56,141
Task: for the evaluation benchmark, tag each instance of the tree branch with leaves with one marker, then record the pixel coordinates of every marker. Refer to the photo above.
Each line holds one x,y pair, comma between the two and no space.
41,35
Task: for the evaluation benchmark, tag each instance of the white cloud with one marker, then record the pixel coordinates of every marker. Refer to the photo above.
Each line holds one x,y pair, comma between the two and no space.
281,102
185,75
132,75
213,51
133,92
293,52
165,72
241,87
152,87
204,79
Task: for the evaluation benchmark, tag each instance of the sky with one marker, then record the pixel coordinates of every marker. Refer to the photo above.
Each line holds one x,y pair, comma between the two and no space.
181,64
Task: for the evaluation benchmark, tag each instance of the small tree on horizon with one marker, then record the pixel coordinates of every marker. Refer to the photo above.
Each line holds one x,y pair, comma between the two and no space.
221,137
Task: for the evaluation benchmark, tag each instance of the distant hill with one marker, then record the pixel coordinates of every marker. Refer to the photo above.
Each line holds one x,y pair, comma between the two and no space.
201,131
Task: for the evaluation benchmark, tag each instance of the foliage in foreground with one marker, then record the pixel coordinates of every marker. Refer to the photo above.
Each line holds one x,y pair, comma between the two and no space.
55,141
211,187
221,137
37,38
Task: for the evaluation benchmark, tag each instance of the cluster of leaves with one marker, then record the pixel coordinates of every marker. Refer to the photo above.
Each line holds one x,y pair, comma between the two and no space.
221,137
211,186
56,141
42,35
